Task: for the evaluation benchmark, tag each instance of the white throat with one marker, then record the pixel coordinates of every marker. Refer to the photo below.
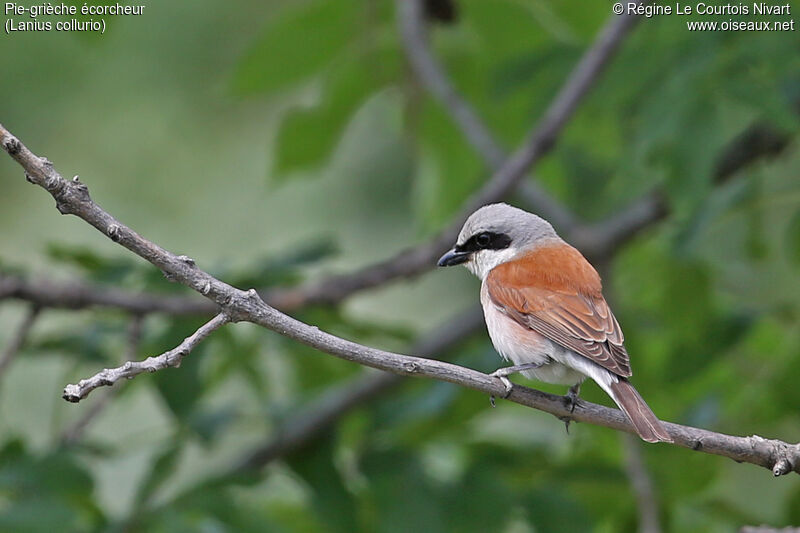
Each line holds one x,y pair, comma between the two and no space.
483,261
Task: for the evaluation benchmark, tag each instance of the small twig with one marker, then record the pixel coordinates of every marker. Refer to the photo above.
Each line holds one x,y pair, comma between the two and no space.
75,431
643,491
171,359
18,340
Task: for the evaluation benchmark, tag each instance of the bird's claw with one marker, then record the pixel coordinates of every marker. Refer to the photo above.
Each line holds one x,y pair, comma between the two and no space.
502,376
571,399
503,373
571,402
566,421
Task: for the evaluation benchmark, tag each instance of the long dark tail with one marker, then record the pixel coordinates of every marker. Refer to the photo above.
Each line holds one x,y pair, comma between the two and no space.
647,425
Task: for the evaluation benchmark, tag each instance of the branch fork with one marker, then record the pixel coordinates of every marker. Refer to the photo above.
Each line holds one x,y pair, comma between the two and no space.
130,369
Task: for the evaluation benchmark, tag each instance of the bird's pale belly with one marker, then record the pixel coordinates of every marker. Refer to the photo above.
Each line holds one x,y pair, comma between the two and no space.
520,345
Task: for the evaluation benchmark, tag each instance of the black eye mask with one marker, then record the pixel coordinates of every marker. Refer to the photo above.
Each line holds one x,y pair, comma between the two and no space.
485,240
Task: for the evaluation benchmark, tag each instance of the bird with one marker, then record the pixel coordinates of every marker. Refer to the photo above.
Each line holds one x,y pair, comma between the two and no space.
545,311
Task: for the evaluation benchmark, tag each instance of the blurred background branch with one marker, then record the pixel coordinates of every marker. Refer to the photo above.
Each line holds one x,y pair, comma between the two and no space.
14,345
642,485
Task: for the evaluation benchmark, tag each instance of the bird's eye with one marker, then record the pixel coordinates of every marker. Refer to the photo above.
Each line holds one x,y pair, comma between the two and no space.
483,240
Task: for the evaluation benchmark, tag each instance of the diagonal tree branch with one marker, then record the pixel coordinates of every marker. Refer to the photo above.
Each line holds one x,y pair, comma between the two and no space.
18,340
758,141
560,110
413,30
72,197
602,239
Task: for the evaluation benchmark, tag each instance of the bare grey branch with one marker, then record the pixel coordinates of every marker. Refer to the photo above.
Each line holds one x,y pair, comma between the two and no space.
171,359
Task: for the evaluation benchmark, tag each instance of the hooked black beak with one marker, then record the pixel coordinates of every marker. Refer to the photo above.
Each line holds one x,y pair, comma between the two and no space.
453,257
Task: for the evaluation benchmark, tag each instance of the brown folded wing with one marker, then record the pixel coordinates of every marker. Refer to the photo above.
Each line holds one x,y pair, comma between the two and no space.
557,293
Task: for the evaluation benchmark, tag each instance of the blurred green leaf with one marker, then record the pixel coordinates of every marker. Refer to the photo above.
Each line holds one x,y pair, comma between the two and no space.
794,507
162,467
308,135
208,424
100,269
479,502
401,497
331,499
448,170
282,268
552,510
96,343
303,39
51,492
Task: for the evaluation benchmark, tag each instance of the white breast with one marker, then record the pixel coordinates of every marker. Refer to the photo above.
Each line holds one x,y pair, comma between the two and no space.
520,345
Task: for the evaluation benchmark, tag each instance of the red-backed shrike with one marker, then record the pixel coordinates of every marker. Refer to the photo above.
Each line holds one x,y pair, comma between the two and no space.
545,310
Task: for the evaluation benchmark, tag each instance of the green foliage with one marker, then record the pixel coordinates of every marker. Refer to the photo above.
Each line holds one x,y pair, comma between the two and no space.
708,299
793,239
335,505
45,492
162,468
308,135
92,344
288,52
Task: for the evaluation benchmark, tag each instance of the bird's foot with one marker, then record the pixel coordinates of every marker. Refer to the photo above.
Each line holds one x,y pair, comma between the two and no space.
503,373
571,399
